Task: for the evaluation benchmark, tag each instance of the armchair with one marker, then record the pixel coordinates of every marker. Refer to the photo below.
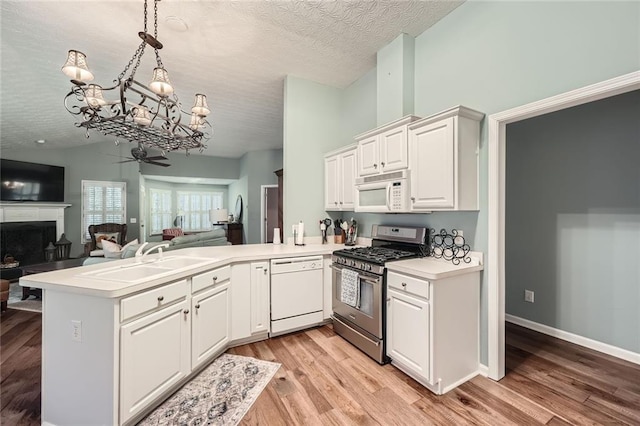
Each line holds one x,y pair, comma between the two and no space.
171,233
105,230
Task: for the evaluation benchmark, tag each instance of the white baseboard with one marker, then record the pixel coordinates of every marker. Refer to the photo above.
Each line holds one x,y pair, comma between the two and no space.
574,338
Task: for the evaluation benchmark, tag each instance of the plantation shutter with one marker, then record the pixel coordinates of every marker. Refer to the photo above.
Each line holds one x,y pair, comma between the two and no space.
102,202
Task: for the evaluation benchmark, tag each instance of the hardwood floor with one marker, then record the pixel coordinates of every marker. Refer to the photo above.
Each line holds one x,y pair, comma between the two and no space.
326,381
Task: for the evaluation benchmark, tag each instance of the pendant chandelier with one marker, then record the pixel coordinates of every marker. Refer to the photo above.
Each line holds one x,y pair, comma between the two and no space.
151,115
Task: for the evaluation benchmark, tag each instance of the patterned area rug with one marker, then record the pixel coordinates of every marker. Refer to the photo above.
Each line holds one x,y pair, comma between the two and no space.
220,395
15,300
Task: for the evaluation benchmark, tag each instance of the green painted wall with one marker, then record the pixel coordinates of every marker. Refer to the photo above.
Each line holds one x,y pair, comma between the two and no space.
395,79
261,166
573,231
312,124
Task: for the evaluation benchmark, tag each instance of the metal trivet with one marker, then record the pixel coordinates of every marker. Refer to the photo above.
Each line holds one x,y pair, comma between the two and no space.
449,246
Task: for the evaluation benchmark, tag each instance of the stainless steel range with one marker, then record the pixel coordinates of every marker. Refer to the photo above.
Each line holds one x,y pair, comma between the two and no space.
359,285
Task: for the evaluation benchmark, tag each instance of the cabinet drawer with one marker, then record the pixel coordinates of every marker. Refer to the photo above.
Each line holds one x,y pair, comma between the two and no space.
408,284
211,278
152,299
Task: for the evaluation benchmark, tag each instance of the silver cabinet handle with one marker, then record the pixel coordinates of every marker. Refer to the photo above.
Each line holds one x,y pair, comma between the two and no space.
413,199
382,164
186,311
335,202
340,202
160,298
375,166
197,306
404,285
214,279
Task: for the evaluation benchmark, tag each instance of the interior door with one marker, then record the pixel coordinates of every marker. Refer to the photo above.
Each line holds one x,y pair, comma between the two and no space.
270,212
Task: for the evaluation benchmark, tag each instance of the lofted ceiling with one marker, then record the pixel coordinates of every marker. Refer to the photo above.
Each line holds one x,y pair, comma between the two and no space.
236,52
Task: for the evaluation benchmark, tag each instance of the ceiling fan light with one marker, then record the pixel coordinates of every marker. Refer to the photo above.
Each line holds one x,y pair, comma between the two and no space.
160,85
141,116
76,66
93,94
200,106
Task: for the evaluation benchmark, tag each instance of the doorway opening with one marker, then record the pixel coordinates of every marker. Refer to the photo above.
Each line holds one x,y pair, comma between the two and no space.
496,193
269,212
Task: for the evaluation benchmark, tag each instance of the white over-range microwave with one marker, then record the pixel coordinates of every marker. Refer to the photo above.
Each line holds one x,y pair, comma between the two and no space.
383,193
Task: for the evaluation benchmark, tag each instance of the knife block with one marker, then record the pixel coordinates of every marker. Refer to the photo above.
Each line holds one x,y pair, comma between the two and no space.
339,236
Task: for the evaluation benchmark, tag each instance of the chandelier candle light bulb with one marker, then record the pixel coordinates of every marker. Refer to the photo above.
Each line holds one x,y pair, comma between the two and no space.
147,115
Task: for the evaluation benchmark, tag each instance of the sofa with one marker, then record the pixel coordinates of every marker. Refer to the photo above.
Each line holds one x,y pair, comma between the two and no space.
217,237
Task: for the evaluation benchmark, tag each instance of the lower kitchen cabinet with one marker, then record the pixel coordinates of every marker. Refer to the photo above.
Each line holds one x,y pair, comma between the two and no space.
154,356
433,328
408,344
260,297
210,323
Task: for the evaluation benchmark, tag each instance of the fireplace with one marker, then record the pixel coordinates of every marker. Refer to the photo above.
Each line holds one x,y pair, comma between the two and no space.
26,241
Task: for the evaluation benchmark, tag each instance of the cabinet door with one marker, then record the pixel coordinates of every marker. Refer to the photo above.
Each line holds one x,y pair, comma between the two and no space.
348,164
210,323
394,150
331,168
260,297
432,166
408,331
154,355
368,156
240,301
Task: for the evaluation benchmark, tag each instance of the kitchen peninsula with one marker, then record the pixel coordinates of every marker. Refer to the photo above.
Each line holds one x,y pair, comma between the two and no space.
119,337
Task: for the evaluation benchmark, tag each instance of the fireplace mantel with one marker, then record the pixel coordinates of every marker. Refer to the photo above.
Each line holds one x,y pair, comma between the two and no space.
34,212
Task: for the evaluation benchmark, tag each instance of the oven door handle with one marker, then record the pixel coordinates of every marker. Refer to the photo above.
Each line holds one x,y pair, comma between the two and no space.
363,276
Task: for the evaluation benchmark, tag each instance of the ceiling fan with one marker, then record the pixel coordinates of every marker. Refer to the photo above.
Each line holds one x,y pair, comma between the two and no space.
140,155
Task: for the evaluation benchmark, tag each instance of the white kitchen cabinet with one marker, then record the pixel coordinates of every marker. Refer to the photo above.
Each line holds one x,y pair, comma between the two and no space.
210,323
385,148
408,344
154,356
339,175
443,160
260,293
433,328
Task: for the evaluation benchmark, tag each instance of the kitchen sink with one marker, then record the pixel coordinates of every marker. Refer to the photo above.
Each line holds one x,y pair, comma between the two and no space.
147,270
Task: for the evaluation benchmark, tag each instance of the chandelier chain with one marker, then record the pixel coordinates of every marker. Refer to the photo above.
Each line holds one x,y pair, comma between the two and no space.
155,31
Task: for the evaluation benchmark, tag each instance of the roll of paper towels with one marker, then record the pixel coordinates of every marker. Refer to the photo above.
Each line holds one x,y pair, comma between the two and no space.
300,234
276,236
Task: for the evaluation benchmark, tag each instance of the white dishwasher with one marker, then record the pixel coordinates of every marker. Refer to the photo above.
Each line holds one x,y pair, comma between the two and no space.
296,293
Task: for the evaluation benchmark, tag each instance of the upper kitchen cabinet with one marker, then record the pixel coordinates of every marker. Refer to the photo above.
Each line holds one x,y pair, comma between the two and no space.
339,179
385,148
443,160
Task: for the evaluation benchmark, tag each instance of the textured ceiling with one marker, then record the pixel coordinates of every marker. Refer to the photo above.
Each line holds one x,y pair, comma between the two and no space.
236,52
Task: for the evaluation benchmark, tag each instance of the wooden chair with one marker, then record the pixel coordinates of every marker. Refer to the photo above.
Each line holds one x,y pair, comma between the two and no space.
105,228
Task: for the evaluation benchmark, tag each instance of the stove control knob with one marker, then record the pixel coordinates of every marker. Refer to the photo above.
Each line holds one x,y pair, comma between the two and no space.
353,263
368,267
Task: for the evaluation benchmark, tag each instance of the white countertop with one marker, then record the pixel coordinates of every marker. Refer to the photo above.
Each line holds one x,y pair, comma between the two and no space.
435,269
76,280
70,280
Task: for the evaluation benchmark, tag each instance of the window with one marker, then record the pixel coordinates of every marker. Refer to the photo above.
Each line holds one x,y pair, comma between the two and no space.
102,202
160,210
195,207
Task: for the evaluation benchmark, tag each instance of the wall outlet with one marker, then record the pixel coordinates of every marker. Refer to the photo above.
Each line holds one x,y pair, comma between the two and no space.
133,220
76,330
528,296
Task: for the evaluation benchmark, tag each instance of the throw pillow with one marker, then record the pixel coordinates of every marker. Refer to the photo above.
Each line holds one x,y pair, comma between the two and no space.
111,250
113,237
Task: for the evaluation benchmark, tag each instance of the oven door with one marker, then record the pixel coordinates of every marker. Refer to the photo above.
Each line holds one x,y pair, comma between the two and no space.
369,315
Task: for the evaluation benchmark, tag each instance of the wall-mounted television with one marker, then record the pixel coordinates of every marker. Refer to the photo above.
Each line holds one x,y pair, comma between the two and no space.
22,181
